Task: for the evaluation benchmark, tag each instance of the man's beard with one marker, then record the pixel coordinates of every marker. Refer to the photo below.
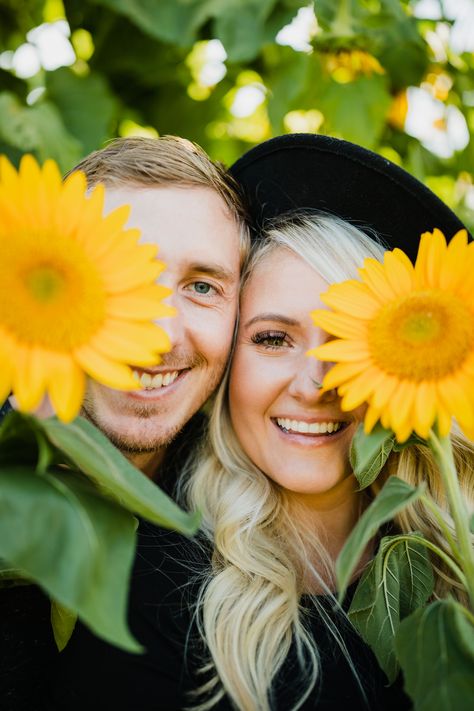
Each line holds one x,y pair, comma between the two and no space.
130,445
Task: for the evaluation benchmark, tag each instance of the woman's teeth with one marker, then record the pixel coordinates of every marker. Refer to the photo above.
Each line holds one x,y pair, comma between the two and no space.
308,428
152,382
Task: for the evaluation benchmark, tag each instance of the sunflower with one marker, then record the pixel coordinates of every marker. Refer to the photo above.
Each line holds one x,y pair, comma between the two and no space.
404,338
77,292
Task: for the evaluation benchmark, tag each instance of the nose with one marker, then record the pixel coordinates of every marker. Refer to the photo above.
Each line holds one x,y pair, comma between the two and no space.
173,325
307,379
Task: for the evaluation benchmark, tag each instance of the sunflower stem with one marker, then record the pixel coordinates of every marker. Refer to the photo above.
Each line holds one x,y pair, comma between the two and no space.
438,514
442,450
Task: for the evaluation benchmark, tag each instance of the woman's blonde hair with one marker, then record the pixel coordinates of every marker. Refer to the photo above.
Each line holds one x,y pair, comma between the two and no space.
249,609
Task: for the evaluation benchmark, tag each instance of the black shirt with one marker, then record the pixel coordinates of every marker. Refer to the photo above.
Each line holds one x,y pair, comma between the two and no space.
93,675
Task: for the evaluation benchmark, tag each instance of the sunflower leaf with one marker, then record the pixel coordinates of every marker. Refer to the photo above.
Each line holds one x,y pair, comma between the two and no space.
392,498
471,524
369,452
435,646
74,543
398,580
63,622
22,442
94,454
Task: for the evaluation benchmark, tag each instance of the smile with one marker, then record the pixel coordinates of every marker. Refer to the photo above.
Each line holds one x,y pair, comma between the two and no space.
150,381
300,427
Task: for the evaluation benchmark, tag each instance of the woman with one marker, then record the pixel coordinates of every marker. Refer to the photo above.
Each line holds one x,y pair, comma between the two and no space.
279,498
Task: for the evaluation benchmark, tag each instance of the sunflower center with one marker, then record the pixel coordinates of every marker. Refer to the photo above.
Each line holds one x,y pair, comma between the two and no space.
45,279
45,283
422,336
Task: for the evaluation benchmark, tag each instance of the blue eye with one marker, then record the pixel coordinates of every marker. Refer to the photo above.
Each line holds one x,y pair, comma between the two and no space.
202,287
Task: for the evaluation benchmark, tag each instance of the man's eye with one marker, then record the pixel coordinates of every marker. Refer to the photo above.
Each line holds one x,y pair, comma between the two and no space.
202,287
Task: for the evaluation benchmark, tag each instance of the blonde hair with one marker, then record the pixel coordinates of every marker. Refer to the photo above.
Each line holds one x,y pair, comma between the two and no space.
163,161
249,608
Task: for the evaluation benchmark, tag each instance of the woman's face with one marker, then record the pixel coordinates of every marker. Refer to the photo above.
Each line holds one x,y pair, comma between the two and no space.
295,434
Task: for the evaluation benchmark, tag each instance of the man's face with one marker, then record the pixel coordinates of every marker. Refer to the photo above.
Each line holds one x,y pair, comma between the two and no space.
199,243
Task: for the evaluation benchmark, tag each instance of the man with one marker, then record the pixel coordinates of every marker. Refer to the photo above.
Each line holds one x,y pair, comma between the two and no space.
189,206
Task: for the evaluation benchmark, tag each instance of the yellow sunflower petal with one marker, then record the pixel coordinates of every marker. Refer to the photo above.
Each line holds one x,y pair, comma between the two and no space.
373,274
400,405
6,367
372,416
141,303
341,372
457,400
29,377
425,408
138,343
70,204
66,386
343,351
454,267
353,298
399,272
360,389
340,325
384,392
434,253
105,370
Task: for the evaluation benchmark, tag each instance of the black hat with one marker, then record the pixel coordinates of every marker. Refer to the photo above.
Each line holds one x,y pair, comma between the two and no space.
305,171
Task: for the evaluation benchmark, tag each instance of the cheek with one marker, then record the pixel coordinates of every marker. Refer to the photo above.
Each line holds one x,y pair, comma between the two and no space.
251,394
212,334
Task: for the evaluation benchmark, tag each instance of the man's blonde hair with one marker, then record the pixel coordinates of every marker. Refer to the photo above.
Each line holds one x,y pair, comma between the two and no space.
163,161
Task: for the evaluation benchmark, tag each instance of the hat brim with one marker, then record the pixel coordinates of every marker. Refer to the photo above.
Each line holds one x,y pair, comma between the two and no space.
313,172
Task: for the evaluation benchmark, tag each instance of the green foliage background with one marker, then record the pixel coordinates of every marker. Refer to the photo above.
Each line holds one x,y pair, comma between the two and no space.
138,69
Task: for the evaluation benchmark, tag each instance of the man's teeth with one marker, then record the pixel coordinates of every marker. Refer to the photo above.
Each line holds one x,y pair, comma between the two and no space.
152,382
309,428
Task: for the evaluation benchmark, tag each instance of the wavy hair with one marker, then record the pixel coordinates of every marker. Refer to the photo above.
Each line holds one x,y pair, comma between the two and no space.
249,608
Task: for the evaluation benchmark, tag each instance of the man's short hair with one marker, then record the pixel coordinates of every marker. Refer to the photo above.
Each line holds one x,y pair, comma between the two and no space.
167,160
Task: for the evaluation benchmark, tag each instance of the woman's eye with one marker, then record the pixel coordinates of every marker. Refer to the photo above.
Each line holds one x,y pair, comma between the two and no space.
271,339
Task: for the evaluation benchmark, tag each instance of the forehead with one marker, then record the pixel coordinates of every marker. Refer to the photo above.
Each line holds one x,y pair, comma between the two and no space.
187,223
281,282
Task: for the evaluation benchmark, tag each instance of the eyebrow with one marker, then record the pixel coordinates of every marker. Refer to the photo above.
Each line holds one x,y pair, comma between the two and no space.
215,270
272,317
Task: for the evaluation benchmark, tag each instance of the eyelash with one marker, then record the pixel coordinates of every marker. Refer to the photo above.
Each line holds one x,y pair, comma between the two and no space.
259,339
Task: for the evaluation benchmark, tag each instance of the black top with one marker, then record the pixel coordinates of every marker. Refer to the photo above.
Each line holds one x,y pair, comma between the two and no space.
91,674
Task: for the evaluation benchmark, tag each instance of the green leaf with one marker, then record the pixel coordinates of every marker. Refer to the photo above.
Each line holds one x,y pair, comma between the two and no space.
398,580
471,524
435,646
37,129
24,442
357,110
63,622
241,28
369,452
86,105
94,454
393,497
170,20
78,546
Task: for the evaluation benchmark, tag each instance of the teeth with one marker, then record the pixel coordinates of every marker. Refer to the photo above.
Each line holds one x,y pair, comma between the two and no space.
153,382
305,427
